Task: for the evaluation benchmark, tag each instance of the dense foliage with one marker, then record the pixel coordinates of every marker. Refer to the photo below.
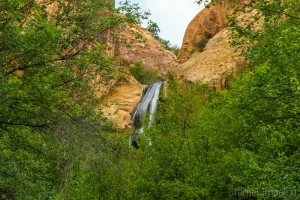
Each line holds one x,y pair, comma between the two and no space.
52,62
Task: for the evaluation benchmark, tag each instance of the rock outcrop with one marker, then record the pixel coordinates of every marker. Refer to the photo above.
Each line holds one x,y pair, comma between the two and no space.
119,104
218,61
144,47
206,24
213,65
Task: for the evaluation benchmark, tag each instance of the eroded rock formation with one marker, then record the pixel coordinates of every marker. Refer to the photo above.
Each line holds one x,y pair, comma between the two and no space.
137,43
213,65
118,105
218,61
129,43
206,24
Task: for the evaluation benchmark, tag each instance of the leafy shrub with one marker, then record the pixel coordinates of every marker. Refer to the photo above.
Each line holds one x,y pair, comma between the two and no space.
144,76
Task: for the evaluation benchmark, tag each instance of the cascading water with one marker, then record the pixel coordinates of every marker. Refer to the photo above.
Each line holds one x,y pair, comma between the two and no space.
147,104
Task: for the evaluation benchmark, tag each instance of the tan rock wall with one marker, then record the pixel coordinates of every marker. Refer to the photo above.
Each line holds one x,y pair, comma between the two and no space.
120,98
207,23
144,47
218,61
213,65
119,104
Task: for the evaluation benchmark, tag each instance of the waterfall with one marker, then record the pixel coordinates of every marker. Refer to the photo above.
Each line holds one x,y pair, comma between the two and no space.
147,104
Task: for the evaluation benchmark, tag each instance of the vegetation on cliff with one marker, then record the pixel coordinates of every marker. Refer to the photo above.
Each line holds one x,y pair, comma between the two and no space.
154,29
147,76
241,143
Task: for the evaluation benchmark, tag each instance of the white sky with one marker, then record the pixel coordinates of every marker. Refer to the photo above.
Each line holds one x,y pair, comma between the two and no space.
172,16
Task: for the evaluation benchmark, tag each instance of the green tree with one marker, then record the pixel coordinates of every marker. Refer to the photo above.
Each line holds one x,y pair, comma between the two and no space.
175,49
50,132
153,28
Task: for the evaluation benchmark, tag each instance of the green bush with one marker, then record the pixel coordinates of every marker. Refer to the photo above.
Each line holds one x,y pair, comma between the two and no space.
144,76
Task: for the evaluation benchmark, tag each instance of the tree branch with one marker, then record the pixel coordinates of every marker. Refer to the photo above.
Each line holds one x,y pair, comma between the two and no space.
24,124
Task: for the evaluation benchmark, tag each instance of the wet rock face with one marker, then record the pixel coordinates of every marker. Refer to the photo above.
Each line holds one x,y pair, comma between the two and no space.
206,24
119,103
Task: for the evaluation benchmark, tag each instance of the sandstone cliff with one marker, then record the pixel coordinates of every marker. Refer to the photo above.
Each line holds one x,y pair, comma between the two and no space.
118,105
218,57
218,61
206,24
137,43
214,65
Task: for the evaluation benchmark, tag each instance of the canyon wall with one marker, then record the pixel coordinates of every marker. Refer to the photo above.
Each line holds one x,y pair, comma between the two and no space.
205,25
119,103
214,65
217,58
128,44
217,61
137,43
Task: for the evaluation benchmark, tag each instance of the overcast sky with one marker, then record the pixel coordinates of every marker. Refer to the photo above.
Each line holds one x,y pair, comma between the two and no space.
172,16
